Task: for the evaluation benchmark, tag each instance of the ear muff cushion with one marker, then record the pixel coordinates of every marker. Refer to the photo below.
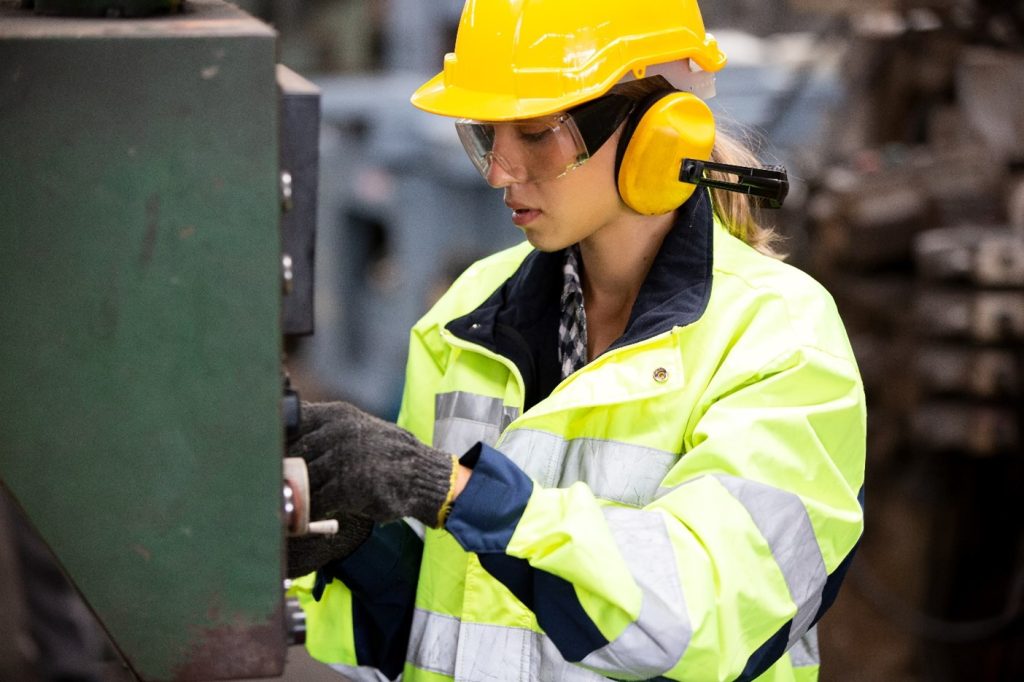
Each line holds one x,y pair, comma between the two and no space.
665,128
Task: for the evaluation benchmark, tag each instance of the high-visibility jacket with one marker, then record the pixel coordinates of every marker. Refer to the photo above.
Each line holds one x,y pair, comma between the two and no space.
682,507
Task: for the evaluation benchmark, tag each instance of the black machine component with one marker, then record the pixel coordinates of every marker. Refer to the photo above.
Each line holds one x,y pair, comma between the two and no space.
300,137
104,8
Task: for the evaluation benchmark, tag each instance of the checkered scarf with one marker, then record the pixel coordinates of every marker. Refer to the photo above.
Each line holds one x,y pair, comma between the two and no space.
572,327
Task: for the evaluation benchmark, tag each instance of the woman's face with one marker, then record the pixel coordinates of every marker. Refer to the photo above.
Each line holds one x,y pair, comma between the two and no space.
557,213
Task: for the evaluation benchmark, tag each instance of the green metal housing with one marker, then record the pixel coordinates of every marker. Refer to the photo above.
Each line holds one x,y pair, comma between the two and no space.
139,330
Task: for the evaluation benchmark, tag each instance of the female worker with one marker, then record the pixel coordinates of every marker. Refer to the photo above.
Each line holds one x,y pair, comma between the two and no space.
646,434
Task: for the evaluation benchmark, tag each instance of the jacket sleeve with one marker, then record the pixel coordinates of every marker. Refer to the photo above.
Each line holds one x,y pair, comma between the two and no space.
741,551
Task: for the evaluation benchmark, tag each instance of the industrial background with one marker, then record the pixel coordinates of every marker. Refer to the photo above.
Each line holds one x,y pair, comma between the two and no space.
125,351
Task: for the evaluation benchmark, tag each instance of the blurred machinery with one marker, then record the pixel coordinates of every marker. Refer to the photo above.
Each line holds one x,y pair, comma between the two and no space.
401,215
158,200
918,230
400,212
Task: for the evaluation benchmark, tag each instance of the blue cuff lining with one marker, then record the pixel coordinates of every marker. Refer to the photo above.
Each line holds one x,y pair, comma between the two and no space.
392,553
487,512
553,600
382,576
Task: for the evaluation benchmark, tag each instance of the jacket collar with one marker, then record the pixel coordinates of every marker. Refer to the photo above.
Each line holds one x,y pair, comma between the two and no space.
519,320
678,285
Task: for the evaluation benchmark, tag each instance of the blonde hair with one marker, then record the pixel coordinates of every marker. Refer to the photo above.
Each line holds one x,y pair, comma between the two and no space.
737,212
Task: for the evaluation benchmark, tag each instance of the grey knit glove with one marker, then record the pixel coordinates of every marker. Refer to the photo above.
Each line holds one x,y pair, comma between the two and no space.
309,552
359,464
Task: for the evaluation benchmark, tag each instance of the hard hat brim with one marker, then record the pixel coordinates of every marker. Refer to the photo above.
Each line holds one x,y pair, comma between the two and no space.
436,97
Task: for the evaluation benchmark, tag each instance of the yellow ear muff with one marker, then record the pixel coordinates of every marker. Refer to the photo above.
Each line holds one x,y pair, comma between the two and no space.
677,126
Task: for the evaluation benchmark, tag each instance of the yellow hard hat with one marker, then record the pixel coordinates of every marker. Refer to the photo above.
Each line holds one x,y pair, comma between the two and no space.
524,58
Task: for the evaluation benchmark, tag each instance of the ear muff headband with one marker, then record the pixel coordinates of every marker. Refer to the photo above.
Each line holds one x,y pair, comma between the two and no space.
665,127
641,108
598,119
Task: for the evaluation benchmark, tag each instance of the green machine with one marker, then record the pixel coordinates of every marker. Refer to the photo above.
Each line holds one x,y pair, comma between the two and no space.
141,325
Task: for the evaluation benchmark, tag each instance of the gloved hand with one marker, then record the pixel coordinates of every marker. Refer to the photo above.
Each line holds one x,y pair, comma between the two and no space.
359,464
308,553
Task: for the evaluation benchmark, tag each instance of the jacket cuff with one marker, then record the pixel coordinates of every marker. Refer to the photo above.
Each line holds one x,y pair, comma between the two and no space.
486,513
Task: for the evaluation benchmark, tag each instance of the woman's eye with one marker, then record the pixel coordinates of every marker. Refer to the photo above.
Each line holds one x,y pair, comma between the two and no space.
534,135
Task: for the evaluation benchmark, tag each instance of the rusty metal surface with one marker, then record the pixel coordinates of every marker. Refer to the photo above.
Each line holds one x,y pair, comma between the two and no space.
237,647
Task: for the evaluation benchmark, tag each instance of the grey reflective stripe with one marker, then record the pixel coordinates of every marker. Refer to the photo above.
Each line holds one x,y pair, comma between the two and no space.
359,674
655,642
614,470
477,408
805,652
462,419
432,642
782,519
492,652
547,664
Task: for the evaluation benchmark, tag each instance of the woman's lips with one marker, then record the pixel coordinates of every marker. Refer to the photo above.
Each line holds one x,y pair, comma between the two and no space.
524,216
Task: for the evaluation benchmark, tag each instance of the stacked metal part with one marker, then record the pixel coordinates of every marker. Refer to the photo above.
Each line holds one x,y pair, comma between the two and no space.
918,230
970,317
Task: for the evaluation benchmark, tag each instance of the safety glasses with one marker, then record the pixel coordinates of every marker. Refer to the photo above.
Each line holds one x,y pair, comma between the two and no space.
543,148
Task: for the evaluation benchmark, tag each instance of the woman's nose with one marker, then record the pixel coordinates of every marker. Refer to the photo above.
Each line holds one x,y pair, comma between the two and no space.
498,176
504,158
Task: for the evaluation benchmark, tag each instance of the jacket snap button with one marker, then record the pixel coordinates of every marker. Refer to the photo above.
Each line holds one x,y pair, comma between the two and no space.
661,375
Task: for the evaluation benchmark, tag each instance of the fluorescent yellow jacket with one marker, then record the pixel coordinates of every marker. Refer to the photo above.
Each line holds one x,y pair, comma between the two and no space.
683,507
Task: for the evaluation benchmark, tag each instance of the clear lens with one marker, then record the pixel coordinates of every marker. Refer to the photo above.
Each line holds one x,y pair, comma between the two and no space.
533,150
